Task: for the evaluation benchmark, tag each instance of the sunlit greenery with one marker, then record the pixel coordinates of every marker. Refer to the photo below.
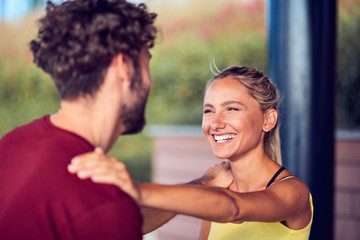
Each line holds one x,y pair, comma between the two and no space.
231,33
348,82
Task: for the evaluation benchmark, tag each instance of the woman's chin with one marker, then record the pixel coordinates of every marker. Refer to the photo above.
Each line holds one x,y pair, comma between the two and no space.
221,155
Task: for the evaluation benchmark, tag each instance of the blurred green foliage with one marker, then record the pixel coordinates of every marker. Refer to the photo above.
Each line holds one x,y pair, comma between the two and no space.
25,94
232,33
348,77
180,74
136,152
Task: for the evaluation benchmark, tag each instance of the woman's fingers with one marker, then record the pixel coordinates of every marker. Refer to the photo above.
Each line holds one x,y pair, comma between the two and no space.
101,168
88,160
119,178
99,150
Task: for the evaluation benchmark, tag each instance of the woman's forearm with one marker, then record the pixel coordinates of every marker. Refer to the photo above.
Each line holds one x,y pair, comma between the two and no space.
154,218
209,203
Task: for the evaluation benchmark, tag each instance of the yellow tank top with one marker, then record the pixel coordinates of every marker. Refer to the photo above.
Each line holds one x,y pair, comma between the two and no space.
259,230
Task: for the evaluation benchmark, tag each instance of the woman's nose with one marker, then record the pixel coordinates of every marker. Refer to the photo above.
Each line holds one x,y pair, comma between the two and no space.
217,122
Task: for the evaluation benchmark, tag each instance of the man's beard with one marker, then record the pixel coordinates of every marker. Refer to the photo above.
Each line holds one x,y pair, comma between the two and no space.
134,115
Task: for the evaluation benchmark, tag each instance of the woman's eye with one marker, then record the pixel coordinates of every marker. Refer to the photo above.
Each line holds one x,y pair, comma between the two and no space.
207,111
232,109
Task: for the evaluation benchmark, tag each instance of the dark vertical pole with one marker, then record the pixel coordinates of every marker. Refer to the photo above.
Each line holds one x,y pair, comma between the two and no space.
302,63
278,45
290,69
321,169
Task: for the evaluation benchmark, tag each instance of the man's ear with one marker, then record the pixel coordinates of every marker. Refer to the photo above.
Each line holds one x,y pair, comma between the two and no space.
270,120
124,67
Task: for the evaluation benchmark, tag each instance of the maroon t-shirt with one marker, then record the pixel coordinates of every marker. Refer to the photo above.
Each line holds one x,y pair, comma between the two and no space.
40,199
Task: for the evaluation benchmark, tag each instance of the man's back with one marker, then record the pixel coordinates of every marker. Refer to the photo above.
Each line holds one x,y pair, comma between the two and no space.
39,199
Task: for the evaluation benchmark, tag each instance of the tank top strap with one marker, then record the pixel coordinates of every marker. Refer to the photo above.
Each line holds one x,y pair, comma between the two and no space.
275,176
285,178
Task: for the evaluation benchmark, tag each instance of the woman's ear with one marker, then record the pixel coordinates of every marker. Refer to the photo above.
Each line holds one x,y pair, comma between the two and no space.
270,120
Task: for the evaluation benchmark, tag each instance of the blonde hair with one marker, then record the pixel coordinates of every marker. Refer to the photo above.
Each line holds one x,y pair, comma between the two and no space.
265,93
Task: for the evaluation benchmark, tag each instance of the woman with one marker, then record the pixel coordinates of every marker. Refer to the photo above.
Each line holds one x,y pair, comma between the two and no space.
259,199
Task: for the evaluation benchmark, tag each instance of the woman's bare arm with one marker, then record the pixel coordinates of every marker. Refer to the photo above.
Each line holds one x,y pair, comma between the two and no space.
105,169
286,201
154,218
205,230
211,203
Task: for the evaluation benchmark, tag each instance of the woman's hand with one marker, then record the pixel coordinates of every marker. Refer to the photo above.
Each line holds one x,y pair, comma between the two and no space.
219,175
101,168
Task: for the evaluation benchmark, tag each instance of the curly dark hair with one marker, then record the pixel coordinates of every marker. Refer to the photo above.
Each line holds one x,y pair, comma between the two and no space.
78,39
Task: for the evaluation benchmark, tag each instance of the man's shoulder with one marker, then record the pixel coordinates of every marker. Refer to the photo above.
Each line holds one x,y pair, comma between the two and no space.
34,126
40,137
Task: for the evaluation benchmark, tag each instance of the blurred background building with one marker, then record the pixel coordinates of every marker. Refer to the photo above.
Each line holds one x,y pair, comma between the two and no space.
309,48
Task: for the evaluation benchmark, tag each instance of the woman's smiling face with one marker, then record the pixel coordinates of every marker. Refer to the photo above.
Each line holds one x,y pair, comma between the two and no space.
232,120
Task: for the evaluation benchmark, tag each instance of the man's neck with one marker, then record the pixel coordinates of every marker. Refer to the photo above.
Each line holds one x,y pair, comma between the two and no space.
88,120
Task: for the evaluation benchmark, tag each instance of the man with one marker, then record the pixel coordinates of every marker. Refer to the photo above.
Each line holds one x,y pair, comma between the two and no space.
96,52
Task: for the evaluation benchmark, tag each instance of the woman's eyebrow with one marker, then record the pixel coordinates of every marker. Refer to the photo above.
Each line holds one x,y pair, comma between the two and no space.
208,105
231,102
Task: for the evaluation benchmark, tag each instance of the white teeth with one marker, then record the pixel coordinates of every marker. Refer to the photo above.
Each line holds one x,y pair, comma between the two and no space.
223,138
